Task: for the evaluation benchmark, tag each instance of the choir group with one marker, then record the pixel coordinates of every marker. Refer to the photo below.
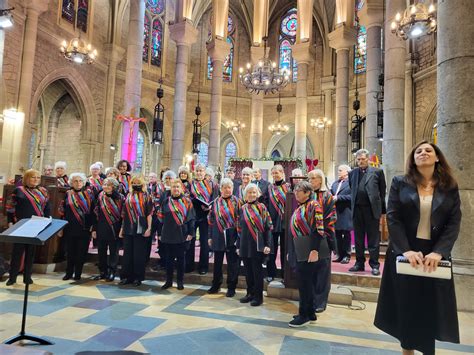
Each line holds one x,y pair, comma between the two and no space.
241,219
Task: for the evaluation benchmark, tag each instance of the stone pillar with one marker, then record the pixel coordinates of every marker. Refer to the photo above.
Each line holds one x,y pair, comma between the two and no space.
342,39
114,55
371,16
456,127
256,119
184,34
22,125
408,116
327,88
218,49
394,88
133,75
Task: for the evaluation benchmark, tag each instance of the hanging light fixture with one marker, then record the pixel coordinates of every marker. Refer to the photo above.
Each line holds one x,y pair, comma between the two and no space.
417,20
264,76
278,128
235,125
77,50
6,18
158,117
322,122
197,124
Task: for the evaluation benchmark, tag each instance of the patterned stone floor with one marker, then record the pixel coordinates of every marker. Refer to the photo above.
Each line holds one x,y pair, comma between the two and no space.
90,316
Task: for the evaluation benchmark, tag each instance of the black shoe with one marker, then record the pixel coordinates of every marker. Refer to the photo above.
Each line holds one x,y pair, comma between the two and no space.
213,290
166,285
10,282
29,281
256,302
345,260
298,322
77,278
137,283
102,276
312,317
180,286
230,293
320,310
111,277
67,277
269,279
125,282
375,271
202,272
337,260
246,299
357,267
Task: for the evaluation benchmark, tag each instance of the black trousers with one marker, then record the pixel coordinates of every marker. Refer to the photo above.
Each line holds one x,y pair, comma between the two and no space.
15,263
233,263
321,283
203,249
254,276
60,254
306,273
343,241
134,249
365,223
278,239
155,233
107,265
76,252
175,251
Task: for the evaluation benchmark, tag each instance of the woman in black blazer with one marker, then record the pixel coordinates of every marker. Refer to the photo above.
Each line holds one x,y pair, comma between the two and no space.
424,217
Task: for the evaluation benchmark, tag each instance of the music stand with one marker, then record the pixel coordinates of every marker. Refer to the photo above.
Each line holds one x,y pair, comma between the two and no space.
29,240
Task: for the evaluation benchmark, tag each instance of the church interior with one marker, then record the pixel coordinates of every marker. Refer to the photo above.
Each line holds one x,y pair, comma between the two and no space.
227,84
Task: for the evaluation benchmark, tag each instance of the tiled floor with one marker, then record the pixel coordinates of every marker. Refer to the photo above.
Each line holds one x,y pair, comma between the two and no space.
99,317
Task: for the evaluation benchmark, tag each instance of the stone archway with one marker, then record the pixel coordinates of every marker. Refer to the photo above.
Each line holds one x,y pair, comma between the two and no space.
429,123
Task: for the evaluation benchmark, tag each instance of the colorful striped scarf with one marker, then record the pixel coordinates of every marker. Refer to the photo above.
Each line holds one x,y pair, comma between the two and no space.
255,218
225,211
125,180
110,207
38,198
135,206
63,181
179,208
202,190
277,194
307,217
80,203
96,183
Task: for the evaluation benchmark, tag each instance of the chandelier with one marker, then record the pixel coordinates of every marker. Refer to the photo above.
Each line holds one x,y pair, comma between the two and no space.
77,51
417,20
320,123
264,76
158,117
278,128
235,125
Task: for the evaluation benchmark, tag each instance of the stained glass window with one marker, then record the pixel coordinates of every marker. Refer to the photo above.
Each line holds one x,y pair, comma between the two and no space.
229,59
359,4
203,154
153,32
230,152
360,51
156,43
140,149
68,11
82,14
288,27
146,38
276,154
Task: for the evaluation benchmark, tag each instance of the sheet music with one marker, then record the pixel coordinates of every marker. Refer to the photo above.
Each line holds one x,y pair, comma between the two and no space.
33,227
443,271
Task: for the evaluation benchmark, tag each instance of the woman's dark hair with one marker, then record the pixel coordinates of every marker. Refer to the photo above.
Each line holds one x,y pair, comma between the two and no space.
129,167
442,176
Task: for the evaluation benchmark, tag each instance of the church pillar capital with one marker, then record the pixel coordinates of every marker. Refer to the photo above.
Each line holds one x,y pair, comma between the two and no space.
35,7
303,52
371,14
218,49
343,37
183,33
328,83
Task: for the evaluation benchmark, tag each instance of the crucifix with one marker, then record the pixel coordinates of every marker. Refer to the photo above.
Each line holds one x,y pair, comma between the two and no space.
130,135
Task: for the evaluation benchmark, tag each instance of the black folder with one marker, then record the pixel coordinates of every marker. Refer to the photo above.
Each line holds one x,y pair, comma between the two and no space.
302,247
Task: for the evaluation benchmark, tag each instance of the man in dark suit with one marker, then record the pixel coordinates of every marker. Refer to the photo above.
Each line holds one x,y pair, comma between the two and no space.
261,183
341,192
368,189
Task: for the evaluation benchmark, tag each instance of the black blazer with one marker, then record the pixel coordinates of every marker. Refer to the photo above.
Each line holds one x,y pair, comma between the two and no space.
343,205
403,216
375,187
263,186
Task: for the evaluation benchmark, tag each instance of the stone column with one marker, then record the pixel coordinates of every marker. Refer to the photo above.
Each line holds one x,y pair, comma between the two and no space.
342,39
256,119
327,88
408,116
114,55
22,125
371,16
184,34
218,49
456,127
133,74
394,88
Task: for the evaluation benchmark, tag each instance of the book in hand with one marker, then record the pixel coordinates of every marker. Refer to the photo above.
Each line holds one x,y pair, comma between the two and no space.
302,247
443,271
230,237
207,204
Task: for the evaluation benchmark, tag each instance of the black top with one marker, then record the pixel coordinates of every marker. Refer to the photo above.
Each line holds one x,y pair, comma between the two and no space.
223,218
252,212
137,207
375,187
108,212
177,215
25,202
197,194
273,192
77,208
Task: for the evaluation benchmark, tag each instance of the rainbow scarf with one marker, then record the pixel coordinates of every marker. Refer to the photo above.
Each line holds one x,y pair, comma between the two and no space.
179,209
38,198
156,189
278,196
254,219
80,203
111,208
201,190
225,211
96,184
307,217
125,180
135,206
63,181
